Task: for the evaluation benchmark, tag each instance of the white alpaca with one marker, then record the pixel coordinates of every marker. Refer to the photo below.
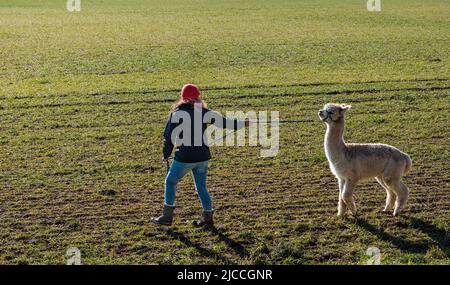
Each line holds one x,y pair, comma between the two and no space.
351,163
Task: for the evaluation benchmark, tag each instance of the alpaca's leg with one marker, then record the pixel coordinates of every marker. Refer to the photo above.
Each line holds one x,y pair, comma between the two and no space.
347,195
401,191
402,198
390,195
342,208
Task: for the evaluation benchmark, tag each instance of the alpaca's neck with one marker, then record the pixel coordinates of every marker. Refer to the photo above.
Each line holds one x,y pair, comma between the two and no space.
334,141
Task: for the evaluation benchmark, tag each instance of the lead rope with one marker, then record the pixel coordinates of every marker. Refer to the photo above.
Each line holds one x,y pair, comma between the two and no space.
277,122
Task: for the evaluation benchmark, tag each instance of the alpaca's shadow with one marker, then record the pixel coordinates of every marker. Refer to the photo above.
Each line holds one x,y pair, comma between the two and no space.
439,236
238,248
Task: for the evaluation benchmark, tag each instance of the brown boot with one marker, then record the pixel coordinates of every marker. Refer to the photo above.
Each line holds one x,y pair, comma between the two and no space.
206,221
167,216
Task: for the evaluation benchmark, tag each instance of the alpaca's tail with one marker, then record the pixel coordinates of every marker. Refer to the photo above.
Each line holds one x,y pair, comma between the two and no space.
408,164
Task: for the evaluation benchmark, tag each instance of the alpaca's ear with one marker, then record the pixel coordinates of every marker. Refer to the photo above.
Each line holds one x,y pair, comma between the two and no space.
345,107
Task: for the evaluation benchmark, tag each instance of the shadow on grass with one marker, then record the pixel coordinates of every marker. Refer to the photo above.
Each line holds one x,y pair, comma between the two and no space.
234,245
439,236
202,250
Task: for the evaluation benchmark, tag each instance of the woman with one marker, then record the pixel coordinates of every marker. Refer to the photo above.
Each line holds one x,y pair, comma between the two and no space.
192,151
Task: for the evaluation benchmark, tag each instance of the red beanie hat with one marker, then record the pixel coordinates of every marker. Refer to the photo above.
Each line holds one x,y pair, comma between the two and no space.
190,92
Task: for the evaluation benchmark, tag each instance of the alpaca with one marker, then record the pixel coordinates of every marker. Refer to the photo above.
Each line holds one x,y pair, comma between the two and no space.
351,163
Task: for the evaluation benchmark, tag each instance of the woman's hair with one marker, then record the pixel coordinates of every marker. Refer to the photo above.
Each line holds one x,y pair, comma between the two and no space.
188,102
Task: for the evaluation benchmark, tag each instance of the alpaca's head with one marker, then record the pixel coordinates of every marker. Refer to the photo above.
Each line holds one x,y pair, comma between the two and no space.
332,113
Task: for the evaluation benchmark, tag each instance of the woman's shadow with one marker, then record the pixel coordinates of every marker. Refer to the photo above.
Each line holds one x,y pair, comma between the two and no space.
439,236
238,248
232,244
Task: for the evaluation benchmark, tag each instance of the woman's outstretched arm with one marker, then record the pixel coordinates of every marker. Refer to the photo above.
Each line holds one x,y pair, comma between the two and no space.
223,122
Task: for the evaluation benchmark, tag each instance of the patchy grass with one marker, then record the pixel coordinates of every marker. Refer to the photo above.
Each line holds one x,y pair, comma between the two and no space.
84,97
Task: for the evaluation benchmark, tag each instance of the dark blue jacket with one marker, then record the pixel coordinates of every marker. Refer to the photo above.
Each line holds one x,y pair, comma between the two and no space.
192,153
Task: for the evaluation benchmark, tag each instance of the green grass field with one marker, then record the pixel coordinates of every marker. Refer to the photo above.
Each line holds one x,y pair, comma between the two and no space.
84,98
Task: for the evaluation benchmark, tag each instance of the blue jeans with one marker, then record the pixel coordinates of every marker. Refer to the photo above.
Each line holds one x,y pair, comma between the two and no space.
177,171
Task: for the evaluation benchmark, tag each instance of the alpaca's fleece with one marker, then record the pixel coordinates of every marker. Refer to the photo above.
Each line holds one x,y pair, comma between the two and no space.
351,163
